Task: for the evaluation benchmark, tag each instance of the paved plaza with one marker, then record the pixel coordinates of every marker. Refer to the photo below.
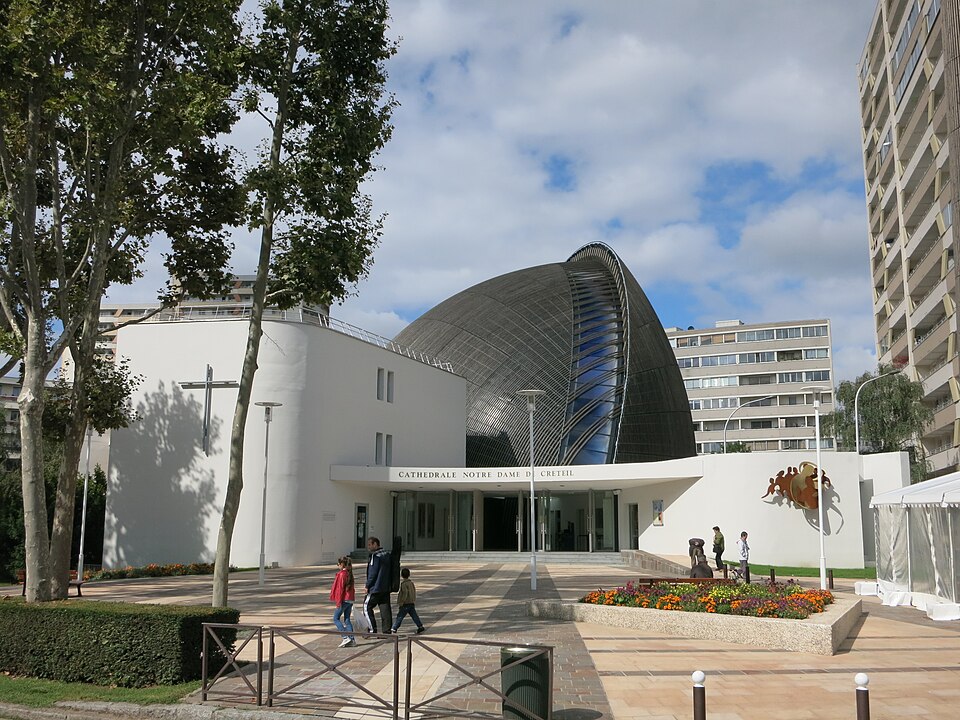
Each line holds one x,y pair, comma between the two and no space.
601,672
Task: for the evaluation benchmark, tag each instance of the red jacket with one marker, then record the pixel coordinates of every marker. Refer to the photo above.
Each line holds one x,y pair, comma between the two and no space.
340,591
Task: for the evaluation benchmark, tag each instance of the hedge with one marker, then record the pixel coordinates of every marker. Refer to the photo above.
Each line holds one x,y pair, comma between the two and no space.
122,644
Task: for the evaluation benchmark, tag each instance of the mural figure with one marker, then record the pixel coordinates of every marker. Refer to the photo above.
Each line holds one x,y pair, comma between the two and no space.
798,485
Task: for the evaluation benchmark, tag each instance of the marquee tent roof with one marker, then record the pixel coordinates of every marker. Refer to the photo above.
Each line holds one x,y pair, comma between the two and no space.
943,490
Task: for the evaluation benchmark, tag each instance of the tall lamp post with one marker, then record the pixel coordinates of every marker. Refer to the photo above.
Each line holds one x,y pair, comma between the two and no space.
756,400
267,417
83,512
531,396
816,391
856,405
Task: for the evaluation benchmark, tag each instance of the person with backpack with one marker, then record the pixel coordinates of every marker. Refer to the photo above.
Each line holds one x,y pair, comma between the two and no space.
379,584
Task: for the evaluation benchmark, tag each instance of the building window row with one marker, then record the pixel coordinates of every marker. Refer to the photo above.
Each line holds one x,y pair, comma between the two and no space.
912,62
724,403
786,333
799,421
753,358
908,28
385,385
747,380
709,448
383,455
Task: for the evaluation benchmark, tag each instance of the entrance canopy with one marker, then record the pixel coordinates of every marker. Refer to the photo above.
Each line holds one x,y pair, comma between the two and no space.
570,478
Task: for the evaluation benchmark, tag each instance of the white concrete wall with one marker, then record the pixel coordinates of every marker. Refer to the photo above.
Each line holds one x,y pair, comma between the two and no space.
165,496
730,495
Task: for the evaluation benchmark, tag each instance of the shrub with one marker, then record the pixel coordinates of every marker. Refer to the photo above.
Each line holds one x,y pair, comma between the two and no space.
152,570
123,644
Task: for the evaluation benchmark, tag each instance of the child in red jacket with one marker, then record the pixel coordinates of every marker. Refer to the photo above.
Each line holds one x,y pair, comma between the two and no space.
343,594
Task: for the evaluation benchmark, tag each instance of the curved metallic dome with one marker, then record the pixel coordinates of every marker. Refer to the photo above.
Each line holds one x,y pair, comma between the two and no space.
584,332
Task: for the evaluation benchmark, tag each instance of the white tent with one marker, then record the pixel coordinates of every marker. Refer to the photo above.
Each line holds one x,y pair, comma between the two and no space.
918,546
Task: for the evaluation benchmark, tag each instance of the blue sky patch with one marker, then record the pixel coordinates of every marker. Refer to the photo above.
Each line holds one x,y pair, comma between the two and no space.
560,174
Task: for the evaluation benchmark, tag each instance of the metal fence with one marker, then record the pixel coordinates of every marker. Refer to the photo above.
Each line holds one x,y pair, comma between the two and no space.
336,678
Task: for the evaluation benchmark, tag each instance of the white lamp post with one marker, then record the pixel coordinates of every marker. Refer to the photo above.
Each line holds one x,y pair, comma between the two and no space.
756,400
816,420
531,396
856,405
267,417
83,512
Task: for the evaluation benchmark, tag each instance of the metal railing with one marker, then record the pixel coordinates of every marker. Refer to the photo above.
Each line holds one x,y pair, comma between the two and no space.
256,681
193,313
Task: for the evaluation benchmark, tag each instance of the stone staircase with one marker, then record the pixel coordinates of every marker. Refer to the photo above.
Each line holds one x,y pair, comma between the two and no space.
546,558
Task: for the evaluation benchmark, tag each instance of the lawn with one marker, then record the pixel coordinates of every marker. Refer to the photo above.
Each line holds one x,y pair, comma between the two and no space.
42,693
783,572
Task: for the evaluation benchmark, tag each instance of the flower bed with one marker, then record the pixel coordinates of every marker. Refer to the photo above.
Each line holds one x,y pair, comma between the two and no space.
152,570
772,600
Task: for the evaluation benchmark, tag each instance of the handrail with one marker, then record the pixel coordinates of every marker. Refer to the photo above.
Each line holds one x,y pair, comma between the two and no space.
209,311
930,330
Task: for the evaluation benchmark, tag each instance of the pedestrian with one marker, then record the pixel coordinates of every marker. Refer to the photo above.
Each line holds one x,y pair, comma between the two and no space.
407,601
378,585
344,595
718,546
744,556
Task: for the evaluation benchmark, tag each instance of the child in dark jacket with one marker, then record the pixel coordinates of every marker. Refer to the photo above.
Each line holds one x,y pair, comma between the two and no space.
407,600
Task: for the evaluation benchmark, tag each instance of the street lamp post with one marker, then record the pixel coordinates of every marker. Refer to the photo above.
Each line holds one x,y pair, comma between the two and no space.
267,417
816,391
83,512
756,400
856,406
531,396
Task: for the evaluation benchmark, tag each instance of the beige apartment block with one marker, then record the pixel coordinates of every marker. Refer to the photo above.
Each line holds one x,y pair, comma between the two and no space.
756,381
908,76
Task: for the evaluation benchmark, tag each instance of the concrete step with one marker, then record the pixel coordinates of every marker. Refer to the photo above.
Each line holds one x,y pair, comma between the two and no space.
546,558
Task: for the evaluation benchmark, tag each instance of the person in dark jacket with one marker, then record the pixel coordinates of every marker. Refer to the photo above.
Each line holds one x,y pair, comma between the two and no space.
379,581
407,602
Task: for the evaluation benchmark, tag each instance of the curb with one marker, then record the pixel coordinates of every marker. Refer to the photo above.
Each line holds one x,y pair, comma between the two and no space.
76,710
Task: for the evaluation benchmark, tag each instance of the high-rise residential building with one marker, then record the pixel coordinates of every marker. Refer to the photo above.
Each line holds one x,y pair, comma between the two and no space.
9,418
755,381
910,107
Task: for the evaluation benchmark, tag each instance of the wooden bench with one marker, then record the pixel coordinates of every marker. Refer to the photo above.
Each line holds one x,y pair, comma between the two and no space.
73,582
695,581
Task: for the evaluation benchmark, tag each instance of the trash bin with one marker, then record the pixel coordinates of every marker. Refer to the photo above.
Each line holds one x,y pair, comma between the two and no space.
527,683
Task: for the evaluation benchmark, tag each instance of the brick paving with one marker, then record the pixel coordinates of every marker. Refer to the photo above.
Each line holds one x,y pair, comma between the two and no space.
601,671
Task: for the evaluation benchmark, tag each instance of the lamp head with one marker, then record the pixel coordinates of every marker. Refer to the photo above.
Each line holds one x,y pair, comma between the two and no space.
531,396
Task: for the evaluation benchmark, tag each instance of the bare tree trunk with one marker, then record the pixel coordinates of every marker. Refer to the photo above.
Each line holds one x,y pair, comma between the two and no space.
30,403
231,503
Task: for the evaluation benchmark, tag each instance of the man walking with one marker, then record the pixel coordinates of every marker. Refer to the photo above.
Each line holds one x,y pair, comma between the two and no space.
718,546
744,556
378,585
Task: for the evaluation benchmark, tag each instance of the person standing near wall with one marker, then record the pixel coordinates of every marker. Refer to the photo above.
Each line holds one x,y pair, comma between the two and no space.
744,549
718,546
379,583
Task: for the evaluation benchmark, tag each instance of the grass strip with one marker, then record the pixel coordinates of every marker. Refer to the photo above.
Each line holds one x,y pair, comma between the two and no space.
34,692
785,573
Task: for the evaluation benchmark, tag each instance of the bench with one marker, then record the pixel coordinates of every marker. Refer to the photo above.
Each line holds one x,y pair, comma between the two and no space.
73,582
695,581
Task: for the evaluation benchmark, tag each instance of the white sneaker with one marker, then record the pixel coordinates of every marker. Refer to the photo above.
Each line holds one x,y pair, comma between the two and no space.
345,642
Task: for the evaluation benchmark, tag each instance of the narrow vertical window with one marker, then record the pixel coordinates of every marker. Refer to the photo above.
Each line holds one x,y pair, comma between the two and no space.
378,458
380,383
388,453
390,386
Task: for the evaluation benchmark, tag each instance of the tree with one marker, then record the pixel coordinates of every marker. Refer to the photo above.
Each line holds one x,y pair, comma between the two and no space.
892,416
737,447
315,75
110,114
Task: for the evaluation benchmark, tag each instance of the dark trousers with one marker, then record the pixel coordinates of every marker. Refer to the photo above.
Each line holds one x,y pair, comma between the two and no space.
381,600
402,612
720,560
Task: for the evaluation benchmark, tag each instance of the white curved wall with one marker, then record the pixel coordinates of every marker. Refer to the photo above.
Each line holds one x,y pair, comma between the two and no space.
165,496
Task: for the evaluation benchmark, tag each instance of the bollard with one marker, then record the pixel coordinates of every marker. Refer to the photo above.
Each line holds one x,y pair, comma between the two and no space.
725,572
830,579
700,696
863,696
773,576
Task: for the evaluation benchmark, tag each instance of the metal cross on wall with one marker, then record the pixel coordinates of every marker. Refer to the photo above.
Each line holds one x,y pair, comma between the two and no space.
208,384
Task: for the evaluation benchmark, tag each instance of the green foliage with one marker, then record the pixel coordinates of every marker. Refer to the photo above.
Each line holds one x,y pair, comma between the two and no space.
123,644
154,570
892,416
106,402
44,693
737,447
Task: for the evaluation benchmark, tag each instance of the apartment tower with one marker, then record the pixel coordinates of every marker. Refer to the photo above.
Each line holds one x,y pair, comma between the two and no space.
909,105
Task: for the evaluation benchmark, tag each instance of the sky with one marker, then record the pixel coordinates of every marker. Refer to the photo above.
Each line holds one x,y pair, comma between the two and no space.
715,146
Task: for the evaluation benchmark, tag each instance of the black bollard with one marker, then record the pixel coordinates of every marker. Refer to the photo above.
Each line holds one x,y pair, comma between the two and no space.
863,696
830,579
700,696
773,576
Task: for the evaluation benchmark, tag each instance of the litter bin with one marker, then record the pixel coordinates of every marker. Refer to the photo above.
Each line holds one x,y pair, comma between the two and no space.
527,683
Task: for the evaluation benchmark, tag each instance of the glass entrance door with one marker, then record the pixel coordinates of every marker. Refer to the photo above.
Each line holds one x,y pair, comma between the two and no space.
360,541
